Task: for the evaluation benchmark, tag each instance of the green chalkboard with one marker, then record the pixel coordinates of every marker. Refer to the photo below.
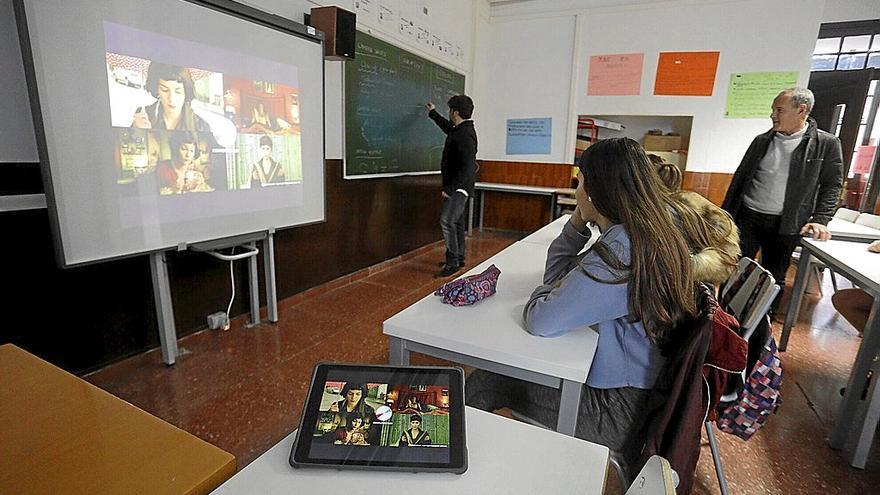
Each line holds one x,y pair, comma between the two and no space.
387,129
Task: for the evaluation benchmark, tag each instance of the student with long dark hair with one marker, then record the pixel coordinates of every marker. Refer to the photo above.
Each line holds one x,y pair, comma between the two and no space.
633,287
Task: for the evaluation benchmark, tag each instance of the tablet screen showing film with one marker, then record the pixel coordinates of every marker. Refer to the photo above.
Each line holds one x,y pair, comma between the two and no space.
384,418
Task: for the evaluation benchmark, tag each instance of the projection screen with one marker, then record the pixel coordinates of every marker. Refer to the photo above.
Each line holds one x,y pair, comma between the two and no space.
167,122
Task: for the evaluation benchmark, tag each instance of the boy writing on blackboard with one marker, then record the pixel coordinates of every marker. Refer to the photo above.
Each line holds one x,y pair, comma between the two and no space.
458,169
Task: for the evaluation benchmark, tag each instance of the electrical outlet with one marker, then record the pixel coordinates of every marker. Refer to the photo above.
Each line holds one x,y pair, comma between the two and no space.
218,320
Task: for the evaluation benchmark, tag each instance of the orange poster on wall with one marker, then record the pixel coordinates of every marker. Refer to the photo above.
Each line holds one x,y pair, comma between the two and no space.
686,73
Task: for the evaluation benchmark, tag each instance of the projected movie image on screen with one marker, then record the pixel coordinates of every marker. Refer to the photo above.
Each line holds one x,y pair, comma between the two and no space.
189,129
399,419
166,124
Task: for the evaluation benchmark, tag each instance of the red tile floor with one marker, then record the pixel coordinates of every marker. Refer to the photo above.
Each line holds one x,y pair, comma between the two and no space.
243,389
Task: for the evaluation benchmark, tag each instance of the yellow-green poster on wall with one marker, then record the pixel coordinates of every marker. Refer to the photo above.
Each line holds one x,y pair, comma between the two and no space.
750,94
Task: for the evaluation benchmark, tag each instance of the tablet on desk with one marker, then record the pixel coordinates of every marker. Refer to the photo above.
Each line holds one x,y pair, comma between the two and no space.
383,418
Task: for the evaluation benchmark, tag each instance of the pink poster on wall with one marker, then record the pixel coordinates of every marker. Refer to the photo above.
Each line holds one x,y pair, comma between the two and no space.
864,160
615,75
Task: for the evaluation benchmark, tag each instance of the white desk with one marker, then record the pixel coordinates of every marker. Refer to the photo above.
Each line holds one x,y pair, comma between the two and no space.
504,456
842,230
548,233
855,262
482,187
490,334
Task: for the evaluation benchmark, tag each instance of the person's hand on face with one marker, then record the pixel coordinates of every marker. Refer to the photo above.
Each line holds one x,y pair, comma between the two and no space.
584,209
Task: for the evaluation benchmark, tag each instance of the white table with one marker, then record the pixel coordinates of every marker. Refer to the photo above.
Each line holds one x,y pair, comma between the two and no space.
842,230
482,187
504,456
546,234
490,334
855,262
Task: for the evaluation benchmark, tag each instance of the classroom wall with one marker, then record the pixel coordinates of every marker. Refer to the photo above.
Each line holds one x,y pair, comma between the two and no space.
850,10
86,317
524,70
751,35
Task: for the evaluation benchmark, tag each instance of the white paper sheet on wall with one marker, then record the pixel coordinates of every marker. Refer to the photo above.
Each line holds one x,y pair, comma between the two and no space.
407,27
387,15
363,8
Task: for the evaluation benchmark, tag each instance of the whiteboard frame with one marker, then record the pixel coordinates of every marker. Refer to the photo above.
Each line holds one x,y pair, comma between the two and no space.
228,7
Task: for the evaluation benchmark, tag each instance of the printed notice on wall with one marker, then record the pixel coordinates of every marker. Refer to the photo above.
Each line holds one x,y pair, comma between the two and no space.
686,73
529,136
615,75
750,94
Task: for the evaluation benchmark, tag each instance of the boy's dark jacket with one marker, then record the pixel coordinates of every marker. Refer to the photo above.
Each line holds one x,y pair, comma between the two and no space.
459,163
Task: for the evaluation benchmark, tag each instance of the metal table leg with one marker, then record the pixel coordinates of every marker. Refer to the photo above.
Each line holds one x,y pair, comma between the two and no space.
397,353
797,294
482,207
851,409
569,403
470,216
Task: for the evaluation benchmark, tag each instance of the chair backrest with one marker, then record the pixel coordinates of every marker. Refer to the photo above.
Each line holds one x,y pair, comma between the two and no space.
656,478
868,220
748,294
846,214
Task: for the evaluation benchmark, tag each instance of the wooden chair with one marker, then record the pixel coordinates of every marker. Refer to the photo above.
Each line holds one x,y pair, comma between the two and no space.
747,296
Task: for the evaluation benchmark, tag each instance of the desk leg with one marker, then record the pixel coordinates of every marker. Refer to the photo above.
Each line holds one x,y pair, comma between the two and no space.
482,207
569,404
470,216
797,294
851,400
397,353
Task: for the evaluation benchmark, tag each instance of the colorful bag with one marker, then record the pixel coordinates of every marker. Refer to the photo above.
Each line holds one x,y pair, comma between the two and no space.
760,397
469,290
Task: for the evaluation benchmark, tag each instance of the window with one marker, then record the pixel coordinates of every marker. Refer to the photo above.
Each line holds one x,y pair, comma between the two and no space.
823,62
855,61
846,53
827,45
856,44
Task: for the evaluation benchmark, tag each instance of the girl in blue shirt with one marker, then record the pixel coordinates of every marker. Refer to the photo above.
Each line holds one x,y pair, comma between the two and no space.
632,287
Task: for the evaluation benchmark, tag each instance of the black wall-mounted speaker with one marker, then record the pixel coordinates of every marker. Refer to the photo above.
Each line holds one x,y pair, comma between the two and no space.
339,27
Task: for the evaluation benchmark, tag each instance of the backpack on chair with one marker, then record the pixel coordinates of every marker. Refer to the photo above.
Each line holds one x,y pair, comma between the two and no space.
759,396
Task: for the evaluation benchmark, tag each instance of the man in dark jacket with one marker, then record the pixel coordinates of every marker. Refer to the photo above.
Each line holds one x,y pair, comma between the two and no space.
787,185
458,169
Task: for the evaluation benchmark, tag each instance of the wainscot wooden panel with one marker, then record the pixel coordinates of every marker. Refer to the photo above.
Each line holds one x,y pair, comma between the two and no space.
520,212
711,185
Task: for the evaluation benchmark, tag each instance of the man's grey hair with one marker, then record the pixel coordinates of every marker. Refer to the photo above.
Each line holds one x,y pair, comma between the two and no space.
800,96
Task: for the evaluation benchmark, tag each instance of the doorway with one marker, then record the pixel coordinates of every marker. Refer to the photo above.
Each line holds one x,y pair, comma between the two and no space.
845,78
